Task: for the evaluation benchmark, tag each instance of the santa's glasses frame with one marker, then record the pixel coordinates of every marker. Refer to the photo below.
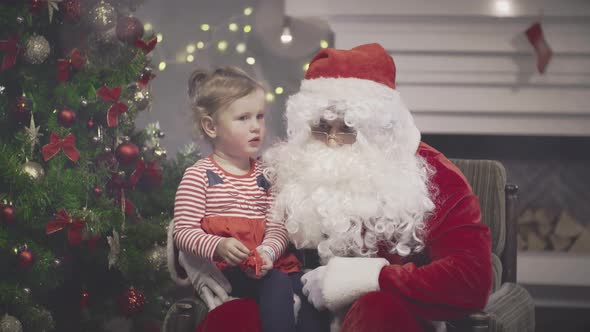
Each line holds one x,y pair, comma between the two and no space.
340,138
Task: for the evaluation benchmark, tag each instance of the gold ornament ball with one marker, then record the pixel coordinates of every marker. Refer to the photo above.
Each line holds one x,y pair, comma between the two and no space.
142,99
34,170
10,324
160,152
157,257
103,16
36,50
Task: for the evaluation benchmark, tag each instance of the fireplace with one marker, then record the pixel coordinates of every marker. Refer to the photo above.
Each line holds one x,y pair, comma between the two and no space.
553,209
553,176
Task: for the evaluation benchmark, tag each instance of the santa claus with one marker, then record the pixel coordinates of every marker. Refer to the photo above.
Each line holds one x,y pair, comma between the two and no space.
395,224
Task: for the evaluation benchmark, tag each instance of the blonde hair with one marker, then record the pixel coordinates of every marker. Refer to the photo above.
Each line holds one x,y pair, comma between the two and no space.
211,91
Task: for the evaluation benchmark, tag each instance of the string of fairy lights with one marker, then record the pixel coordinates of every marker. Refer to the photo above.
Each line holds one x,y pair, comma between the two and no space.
238,28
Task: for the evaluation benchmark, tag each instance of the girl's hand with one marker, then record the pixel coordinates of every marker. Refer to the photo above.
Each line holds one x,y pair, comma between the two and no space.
267,265
232,251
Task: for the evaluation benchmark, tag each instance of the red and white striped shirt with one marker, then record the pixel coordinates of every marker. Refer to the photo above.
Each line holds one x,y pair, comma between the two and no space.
208,190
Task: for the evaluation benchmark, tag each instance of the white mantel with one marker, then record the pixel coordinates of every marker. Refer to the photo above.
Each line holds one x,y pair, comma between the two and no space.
464,66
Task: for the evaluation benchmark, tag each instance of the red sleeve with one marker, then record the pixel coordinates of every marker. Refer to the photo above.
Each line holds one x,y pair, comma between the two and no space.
458,279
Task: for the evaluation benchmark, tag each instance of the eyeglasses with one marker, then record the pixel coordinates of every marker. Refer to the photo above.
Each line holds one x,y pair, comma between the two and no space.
340,138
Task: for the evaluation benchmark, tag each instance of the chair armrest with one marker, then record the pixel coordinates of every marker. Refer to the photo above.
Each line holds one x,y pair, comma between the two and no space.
480,321
511,309
184,315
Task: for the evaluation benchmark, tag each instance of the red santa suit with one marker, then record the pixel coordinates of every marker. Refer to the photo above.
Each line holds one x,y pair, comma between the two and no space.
444,274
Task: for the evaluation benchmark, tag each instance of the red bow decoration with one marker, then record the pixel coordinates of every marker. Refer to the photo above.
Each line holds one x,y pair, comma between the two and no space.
151,170
146,47
118,184
10,46
75,60
117,108
63,220
55,144
253,262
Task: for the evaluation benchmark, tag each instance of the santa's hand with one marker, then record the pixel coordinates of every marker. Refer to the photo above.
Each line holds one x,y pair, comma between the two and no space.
208,281
313,282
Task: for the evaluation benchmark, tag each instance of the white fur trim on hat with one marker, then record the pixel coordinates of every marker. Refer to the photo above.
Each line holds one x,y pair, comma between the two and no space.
177,273
349,278
376,111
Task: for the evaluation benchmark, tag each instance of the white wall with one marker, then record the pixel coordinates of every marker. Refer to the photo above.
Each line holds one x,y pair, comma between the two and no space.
466,67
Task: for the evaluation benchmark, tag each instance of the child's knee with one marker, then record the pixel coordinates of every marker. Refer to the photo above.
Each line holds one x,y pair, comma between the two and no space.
276,277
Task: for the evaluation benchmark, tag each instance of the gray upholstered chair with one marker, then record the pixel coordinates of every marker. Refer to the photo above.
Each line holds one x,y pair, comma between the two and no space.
510,307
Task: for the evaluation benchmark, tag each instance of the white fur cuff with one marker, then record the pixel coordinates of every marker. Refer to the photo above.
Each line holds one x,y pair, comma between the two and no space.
349,278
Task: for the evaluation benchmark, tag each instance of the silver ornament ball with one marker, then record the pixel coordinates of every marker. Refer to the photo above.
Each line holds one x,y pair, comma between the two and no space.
157,257
34,170
10,324
107,149
102,16
36,50
142,99
20,20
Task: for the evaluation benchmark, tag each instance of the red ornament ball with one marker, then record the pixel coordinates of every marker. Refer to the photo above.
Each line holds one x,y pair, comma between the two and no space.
66,117
25,258
129,29
7,214
90,124
37,5
71,10
127,153
131,302
84,298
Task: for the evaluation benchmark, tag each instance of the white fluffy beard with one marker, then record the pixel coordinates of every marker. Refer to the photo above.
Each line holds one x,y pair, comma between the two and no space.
351,200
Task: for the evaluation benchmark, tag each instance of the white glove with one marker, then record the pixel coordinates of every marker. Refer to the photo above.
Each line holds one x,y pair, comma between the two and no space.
313,282
208,281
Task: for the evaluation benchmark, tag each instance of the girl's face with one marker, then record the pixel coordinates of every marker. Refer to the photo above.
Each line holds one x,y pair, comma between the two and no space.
240,128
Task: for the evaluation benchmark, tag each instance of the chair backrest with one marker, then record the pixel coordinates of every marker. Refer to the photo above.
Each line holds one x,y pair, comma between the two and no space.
488,180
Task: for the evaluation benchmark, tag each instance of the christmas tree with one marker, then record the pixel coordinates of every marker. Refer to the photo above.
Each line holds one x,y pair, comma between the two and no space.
85,197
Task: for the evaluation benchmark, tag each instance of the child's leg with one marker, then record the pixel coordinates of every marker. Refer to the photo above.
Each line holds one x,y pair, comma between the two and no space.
275,300
309,319
242,286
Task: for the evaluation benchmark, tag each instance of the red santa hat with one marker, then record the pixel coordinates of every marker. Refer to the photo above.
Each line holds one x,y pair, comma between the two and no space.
359,86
